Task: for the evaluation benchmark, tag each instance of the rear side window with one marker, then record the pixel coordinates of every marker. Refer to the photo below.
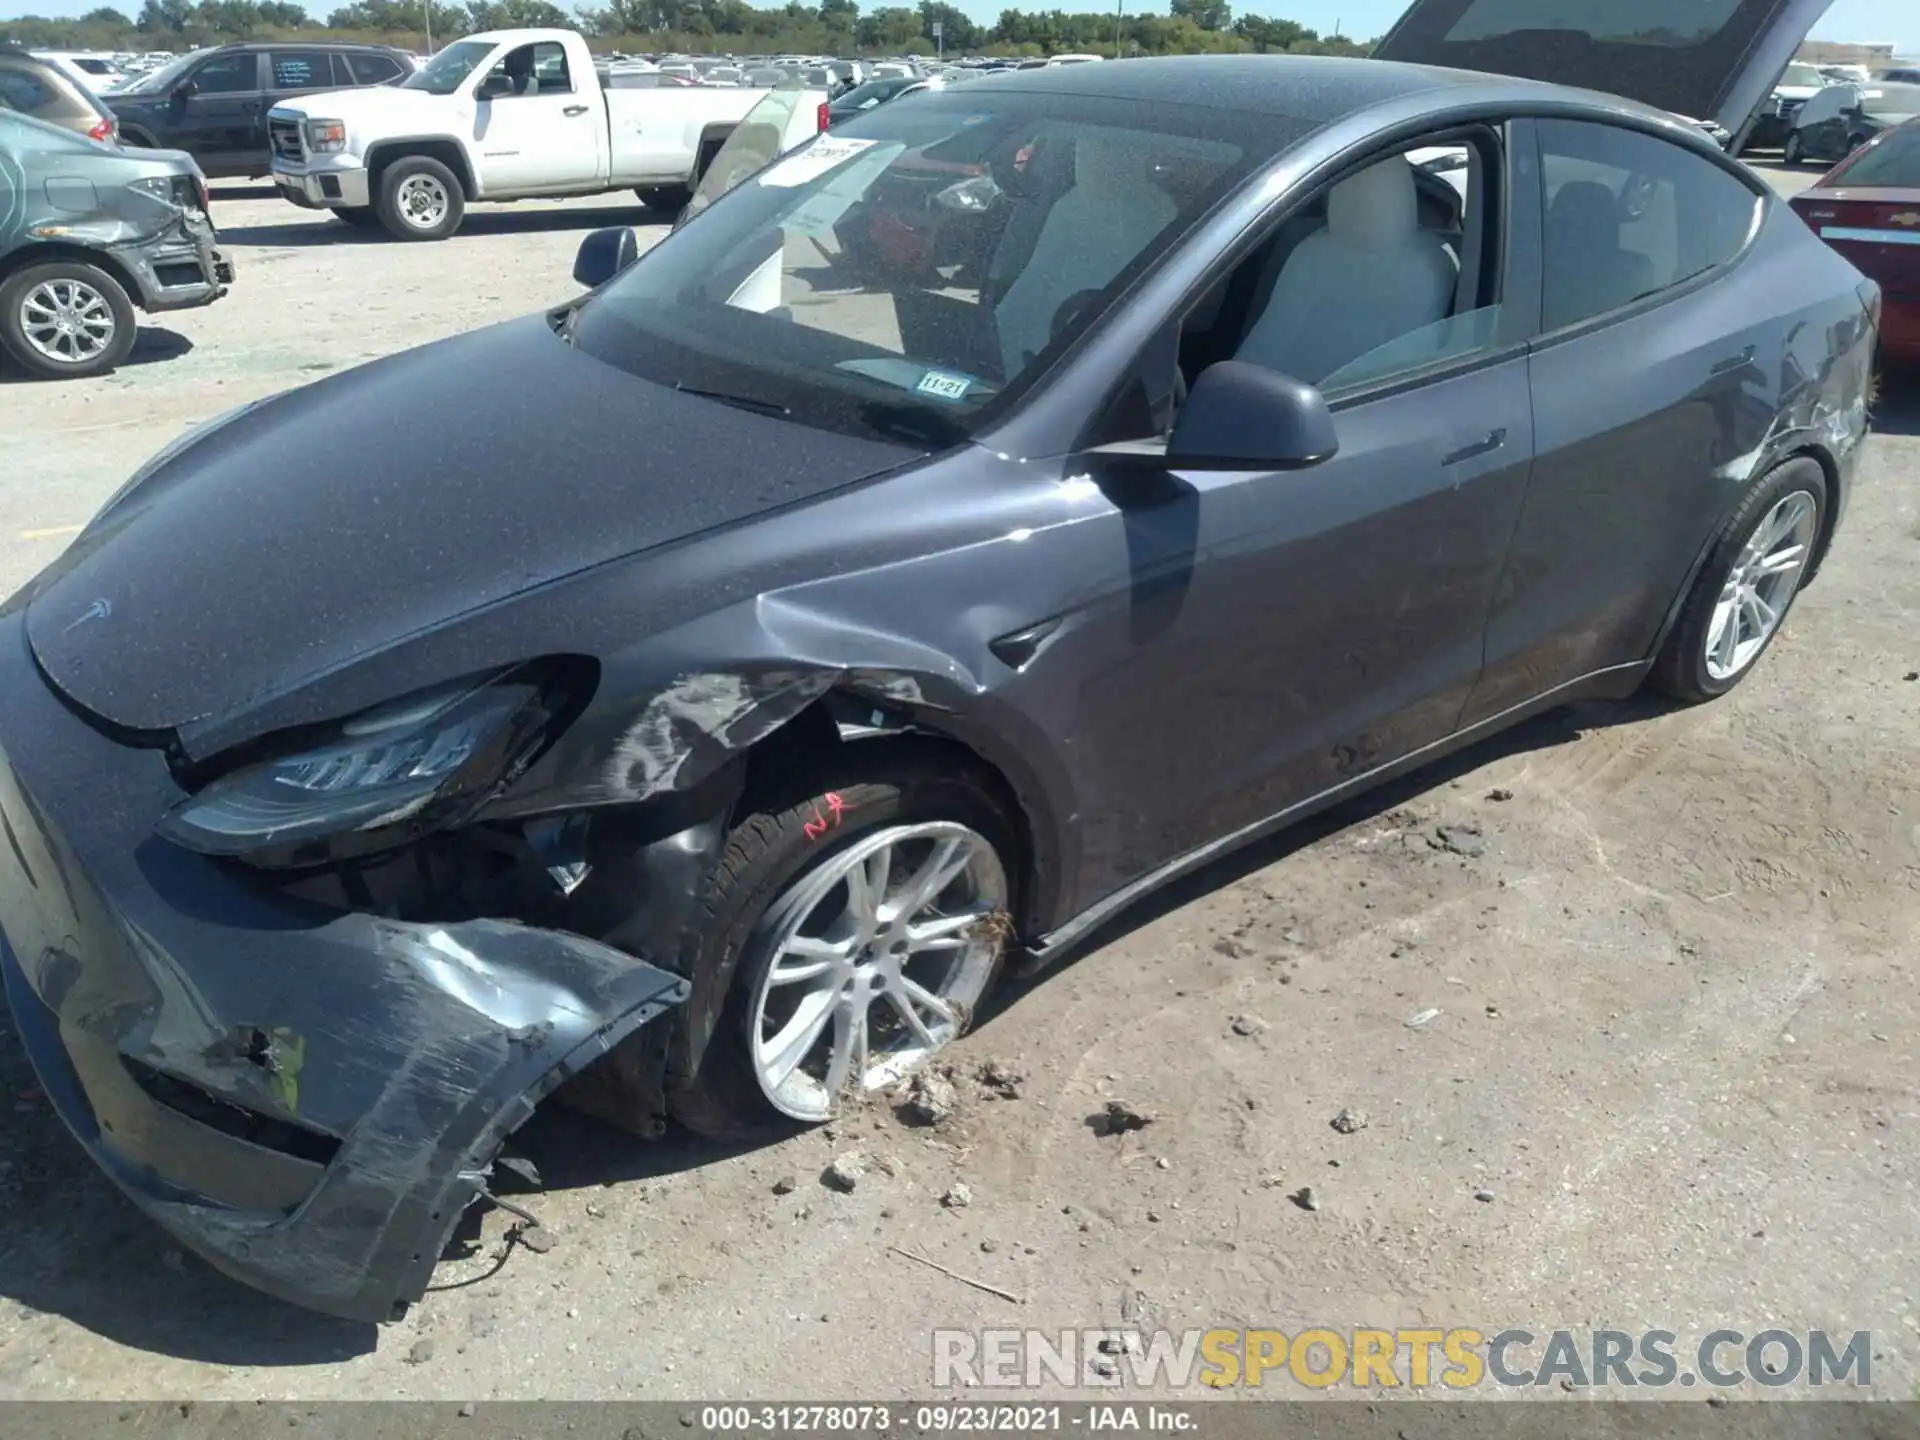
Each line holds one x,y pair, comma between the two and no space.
1894,162
227,75
1629,215
1638,22
372,69
30,93
302,70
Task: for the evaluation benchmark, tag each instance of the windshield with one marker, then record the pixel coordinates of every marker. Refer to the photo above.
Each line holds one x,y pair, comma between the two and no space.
1893,163
168,75
1803,75
909,274
443,74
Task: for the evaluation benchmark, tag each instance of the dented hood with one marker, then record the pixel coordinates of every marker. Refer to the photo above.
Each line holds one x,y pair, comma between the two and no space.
335,520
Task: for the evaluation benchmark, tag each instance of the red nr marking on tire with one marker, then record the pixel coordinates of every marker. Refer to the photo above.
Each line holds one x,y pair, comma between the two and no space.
828,818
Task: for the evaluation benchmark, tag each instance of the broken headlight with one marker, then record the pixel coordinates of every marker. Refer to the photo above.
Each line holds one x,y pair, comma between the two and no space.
382,778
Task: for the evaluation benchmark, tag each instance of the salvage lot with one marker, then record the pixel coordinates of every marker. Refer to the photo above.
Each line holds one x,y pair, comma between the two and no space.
1673,965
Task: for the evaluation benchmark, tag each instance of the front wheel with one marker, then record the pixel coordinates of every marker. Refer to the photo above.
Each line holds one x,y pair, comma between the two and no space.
65,320
420,199
1793,154
1740,600
852,929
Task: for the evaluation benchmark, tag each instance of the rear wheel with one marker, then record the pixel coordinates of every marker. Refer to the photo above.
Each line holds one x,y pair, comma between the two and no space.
420,199
851,930
1793,154
65,320
667,199
1740,600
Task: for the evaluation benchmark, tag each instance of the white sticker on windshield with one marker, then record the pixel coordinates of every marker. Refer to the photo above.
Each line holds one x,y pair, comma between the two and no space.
944,387
812,162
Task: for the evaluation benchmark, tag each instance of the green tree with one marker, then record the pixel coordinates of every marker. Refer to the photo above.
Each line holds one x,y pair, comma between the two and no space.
1207,14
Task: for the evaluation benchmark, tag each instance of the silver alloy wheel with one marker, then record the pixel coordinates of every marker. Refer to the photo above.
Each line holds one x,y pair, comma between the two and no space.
880,955
422,201
1761,585
68,321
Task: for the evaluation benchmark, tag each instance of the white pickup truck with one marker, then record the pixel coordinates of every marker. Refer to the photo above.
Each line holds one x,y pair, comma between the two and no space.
507,115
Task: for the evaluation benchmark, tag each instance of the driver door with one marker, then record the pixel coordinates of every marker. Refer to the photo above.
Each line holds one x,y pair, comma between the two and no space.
1291,631
535,130
222,115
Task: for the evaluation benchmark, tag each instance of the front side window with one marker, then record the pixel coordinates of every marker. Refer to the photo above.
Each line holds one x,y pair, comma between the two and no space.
531,70
227,75
1629,215
920,267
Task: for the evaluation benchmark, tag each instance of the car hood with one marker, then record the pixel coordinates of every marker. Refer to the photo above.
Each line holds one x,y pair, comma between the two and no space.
377,105
336,520
1722,72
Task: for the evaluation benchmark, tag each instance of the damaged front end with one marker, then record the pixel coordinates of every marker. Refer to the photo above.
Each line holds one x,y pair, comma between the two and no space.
307,1095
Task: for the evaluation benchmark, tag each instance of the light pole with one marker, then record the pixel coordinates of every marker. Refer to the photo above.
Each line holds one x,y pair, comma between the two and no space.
427,9
1118,6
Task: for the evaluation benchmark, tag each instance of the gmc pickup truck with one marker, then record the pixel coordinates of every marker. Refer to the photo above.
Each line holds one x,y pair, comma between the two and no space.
506,115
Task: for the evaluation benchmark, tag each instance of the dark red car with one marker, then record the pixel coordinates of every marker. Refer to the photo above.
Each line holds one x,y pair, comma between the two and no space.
1868,208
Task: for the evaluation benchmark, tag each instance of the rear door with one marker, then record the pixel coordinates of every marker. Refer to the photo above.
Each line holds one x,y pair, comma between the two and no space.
1712,60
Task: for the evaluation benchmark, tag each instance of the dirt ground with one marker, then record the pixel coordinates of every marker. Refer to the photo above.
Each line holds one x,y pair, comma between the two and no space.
1674,1049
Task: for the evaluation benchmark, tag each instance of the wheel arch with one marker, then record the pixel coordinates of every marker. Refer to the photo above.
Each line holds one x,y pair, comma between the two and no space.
48,251
382,155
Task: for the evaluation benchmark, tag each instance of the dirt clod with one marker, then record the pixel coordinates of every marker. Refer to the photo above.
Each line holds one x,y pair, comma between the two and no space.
1248,1025
786,1185
1117,1118
1462,839
958,1196
1485,1197
844,1172
538,1239
931,1099
1001,1079
1305,1198
421,1351
1349,1121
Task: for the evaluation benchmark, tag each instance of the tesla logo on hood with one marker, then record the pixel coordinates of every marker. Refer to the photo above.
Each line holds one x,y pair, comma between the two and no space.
98,610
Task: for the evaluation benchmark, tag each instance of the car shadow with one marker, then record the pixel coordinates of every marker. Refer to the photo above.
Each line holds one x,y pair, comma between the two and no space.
242,189
326,230
153,345
1896,411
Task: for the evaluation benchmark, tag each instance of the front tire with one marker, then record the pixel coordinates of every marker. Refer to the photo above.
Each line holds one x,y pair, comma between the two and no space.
65,320
420,199
1740,600
1793,154
850,932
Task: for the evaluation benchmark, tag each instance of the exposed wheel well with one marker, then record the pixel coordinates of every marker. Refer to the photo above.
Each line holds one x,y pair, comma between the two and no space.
802,745
1830,516
381,157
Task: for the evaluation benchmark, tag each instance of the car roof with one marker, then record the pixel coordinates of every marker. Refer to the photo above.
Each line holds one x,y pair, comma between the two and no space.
1318,89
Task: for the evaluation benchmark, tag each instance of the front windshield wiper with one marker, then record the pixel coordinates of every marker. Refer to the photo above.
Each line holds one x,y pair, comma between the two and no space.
739,402
914,424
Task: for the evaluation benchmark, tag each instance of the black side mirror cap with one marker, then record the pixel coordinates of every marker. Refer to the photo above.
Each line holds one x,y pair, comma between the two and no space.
493,87
1246,417
604,254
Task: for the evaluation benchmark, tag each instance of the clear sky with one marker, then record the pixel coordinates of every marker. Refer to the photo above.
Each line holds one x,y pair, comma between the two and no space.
1895,20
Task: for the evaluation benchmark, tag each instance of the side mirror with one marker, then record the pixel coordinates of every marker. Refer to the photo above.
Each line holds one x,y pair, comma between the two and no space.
493,88
1245,417
184,89
603,255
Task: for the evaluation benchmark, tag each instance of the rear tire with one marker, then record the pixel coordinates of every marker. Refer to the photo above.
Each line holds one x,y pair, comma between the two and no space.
1754,571
65,320
666,199
1792,153
786,845
420,199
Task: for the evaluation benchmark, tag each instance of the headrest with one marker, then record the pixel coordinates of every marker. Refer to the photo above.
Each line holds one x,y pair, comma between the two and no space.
1380,203
1584,205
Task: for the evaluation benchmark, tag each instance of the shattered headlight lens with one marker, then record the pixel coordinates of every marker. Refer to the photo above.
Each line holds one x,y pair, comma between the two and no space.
326,137
386,776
